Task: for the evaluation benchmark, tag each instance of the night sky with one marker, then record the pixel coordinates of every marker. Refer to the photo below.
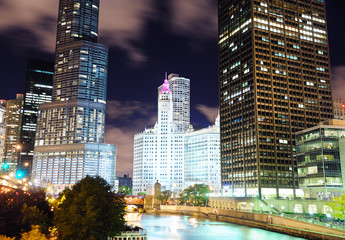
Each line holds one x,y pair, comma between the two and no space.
146,38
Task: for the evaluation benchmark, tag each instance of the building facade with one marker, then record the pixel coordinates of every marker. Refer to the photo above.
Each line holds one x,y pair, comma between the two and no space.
38,90
202,157
321,160
158,152
70,133
180,88
338,108
13,121
2,130
274,79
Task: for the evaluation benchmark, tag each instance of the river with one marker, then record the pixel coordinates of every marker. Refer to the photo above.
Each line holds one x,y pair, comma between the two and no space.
176,227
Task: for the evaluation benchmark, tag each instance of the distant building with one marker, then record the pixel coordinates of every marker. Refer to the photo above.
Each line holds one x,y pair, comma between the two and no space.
338,108
171,152
321,159
158,151
2,129
38,90
13,121
124,181
202,157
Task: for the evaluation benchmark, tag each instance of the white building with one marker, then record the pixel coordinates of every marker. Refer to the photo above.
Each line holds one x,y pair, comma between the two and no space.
159,152
202,157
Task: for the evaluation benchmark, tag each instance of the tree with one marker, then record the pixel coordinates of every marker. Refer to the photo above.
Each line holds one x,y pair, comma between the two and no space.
19,208
338,206
125,190
34,234
164,197
3,237
89,211
141,193
196,194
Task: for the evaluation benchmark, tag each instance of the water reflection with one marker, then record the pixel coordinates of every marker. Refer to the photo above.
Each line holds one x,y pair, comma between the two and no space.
191,228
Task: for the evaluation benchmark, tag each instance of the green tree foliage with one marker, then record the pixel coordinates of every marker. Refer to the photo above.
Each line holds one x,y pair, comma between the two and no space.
19,208
89,211
164,197
338,206
125,190
141,193
196,194
34,234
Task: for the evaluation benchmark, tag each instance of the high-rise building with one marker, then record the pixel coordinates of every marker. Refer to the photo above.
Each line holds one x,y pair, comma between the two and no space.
202,157
158,151
180,88
2,130
274,79
321,160
339,109
70,132
13,121
172,152
38,90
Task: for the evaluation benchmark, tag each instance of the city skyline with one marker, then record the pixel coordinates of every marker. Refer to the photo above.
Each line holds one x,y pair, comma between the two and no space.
196,44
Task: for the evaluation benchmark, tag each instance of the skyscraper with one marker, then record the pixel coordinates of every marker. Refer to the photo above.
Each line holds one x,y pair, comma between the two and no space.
13,121
70,136
338,108
180,88
38,90
158,151
274,78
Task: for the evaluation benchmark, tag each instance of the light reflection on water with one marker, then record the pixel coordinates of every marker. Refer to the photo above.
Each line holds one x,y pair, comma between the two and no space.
184,227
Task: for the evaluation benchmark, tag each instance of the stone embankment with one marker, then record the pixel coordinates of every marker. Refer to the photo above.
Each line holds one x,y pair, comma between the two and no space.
258,220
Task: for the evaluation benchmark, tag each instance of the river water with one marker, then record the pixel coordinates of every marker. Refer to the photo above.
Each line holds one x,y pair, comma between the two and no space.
176,227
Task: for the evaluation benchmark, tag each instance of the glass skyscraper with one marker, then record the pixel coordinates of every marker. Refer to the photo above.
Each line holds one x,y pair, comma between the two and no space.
274,79
38,90
70,138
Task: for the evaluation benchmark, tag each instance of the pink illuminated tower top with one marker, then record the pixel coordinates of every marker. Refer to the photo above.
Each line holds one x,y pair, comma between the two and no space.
165,88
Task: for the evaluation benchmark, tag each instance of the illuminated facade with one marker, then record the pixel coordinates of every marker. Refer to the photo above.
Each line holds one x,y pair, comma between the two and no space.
158,152
321,160
171,152
202,157
13,121
274,78
2,130
70,138
338,108
38,90
180,88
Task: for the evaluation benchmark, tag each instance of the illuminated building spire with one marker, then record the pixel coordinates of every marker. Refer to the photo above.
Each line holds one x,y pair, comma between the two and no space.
165,88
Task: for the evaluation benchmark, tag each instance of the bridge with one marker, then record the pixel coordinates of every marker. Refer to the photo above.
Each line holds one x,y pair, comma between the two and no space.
134,202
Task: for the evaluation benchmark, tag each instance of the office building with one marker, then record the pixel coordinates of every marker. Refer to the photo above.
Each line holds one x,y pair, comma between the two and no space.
202,157
321,160
13,121
274,79
38,90
338,108
159,151
124,181
2,130
70,131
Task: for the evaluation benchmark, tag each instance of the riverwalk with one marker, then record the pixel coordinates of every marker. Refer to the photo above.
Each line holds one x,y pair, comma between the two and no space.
264,221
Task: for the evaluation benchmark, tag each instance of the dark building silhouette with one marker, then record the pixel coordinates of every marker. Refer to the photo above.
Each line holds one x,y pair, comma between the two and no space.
38,90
